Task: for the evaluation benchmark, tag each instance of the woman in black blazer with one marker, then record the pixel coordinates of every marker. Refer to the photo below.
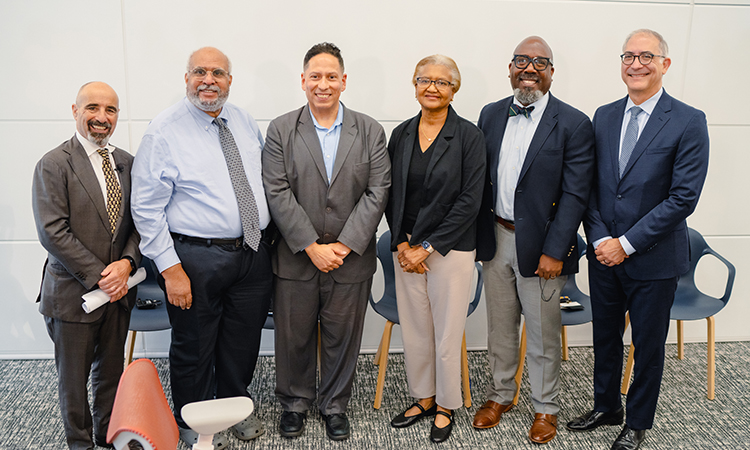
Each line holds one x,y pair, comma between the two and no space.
438,165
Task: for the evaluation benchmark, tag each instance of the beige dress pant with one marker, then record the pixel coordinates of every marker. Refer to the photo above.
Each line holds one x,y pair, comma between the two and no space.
432,309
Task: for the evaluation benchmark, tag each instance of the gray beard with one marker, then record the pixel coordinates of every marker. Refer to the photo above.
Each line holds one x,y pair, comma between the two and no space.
211,106
100,139
527,97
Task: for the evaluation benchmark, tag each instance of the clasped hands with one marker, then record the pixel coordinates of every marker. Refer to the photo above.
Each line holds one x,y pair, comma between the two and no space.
114,280
327,257
610,252
411,258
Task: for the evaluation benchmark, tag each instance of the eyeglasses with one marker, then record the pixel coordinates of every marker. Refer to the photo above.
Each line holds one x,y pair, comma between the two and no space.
200,72
540,63
426,82
644,58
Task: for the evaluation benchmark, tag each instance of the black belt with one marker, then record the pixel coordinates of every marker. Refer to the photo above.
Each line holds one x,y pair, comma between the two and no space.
236,242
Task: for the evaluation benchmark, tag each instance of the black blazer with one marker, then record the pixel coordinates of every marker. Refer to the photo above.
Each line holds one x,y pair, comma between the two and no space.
553,187
452,188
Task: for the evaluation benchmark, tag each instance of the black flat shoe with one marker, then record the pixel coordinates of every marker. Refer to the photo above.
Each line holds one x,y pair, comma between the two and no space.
441,434
291,424
337,427
595,419
401,421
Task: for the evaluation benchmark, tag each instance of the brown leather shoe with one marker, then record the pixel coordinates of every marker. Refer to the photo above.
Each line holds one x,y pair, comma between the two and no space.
489,414
544,428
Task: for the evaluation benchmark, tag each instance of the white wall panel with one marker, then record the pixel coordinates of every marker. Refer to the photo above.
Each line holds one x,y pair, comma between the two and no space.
56,47
721,34
719,212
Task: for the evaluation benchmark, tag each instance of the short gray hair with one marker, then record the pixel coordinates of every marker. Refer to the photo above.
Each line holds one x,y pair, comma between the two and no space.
440,60
663,47
190,59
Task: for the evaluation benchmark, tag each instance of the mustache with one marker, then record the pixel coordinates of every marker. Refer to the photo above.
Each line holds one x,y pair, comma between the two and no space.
205,87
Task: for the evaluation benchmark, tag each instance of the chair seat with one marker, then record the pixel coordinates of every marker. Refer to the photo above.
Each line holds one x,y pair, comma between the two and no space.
577,317
149,319
694,306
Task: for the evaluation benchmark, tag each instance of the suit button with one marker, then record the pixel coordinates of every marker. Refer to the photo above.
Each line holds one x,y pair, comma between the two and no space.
327,235
328,209
619,197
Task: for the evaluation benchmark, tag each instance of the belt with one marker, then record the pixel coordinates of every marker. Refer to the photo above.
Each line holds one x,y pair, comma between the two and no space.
236,242
509,224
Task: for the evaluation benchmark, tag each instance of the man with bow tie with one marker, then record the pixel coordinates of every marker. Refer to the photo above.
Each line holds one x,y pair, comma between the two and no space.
540,157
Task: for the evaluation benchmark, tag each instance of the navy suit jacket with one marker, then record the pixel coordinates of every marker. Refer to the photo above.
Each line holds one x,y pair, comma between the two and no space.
553,187
658,189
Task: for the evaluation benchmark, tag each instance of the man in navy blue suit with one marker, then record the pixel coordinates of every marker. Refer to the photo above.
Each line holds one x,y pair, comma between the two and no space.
540,160
652,159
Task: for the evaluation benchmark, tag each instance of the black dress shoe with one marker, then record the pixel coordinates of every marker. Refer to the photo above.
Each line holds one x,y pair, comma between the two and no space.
337,426
629,439
441,434
595,419
102,442
402,421
292,423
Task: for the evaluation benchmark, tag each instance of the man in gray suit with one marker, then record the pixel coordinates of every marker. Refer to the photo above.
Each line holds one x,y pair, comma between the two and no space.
81,202
326,172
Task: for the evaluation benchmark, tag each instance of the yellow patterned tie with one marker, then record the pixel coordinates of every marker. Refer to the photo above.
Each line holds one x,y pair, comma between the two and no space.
114,193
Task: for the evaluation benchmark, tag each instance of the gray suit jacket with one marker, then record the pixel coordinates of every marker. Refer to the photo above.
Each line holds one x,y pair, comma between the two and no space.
73,226
306,209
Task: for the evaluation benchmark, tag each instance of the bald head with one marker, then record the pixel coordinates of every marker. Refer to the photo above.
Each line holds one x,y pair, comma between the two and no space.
531,70
96,110
210,53
536,42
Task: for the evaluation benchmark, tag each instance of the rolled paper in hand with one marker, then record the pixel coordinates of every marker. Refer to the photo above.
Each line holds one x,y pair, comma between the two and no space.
95,299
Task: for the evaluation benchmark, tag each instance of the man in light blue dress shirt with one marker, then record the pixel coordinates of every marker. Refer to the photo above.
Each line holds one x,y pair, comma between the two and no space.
185,207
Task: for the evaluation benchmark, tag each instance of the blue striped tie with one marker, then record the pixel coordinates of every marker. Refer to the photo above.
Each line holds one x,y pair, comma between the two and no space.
631,137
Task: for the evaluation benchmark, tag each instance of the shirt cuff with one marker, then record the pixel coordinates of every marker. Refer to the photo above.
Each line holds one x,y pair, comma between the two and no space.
629,250
166,260
599,241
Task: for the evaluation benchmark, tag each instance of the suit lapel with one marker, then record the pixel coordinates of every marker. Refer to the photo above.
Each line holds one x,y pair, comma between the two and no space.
614,123
306,130
346,141
442,144
81,166
546,124
659,118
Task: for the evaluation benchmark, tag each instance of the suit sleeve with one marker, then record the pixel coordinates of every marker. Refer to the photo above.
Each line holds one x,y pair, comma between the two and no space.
577,175
465,208
52,217
688,174
364,218
593,224
293,222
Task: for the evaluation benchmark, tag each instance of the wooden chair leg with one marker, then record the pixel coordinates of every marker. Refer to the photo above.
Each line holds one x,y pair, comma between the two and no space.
711,357
564,339
465,373
385,343
521,360
129,347
629,365
680,341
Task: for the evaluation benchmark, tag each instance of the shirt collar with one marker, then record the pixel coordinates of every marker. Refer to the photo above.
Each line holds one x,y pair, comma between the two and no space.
203,119
647,106
539,106
89,147
339,119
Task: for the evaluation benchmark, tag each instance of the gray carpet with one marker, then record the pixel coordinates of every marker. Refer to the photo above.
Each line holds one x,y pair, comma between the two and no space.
685,419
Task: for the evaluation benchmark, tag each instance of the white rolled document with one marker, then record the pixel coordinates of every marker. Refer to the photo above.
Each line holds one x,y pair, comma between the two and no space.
95,299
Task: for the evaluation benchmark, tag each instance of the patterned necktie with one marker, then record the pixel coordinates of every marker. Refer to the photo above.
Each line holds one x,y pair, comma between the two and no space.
242,190
114,193
631,137
516,110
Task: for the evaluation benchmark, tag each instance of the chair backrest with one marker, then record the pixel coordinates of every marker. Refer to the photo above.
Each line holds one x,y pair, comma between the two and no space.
141,411
387,307
698,249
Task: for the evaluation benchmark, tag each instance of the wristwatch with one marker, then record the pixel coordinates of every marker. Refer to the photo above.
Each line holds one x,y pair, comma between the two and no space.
427,246
133,267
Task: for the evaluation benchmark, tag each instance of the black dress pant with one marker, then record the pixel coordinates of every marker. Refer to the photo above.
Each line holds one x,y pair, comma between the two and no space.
215,343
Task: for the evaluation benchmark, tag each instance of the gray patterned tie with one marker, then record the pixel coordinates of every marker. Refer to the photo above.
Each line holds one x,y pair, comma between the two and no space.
242,190
631,137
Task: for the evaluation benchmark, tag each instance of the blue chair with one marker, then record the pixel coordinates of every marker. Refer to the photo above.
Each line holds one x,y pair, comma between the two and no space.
147,319
692,304
387,308
569,318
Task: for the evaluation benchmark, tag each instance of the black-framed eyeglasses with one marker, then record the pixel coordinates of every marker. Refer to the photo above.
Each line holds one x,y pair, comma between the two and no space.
426,82
644,58
200,72
539,62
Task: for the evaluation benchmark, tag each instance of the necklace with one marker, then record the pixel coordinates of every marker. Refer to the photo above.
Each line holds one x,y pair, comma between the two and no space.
425,136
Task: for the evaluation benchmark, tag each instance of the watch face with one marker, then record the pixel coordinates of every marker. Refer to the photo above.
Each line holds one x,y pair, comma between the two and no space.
425,245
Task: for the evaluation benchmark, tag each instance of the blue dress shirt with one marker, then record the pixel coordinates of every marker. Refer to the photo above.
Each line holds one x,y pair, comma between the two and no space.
180,179
329,140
